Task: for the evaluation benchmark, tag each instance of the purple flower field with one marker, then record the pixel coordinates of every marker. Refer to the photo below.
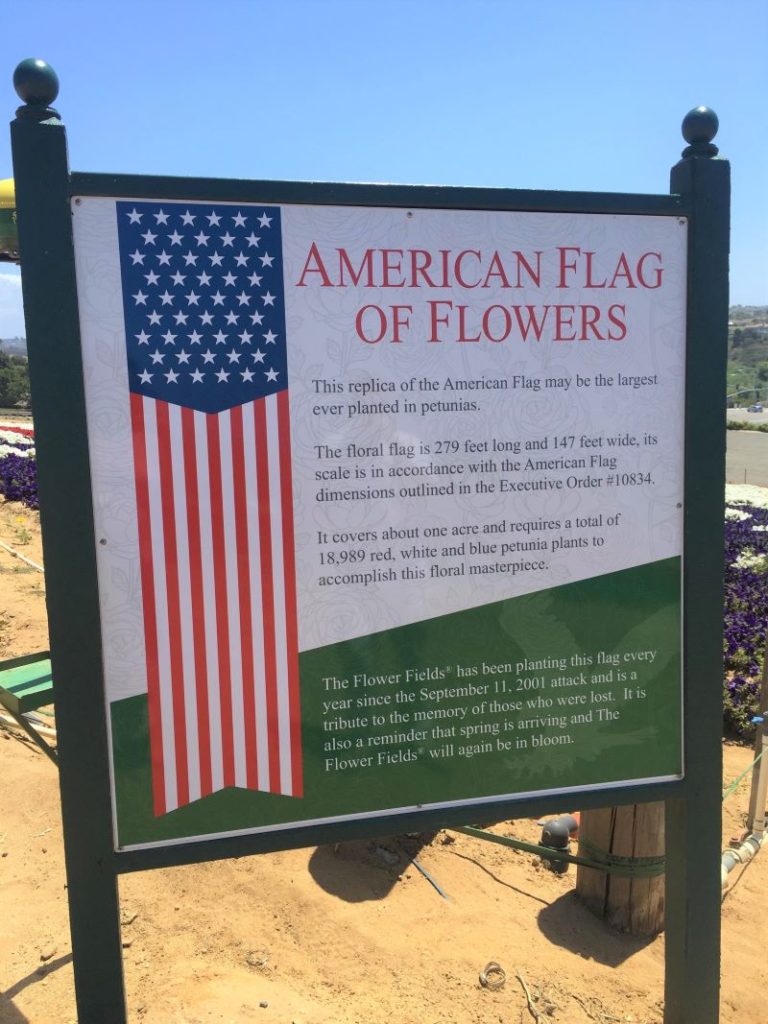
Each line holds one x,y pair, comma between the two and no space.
18,468
746,604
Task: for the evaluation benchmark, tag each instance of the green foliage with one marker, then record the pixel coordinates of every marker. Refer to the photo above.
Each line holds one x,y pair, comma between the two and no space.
14,381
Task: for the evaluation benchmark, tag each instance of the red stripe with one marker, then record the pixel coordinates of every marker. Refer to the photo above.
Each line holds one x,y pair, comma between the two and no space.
289,563
148,604
239,470
220,591
166,473
196,586
267,595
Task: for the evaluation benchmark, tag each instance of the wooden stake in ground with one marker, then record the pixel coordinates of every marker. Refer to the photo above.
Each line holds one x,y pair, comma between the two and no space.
634,905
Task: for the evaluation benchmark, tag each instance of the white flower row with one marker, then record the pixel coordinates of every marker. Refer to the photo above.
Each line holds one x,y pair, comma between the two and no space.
746,494
749,560
9,449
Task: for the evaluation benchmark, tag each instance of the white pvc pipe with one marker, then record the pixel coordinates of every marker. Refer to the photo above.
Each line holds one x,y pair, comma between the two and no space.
742,854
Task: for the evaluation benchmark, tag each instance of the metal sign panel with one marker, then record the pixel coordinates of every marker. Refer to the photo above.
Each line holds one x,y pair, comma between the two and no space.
388,506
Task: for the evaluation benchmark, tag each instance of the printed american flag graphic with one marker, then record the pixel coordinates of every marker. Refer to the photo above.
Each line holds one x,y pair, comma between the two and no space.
204,312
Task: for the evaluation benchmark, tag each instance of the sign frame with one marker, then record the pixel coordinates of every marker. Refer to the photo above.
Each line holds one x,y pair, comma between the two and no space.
45,188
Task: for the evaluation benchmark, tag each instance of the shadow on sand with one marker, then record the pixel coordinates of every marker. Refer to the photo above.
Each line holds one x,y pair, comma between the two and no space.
365,869
567,923
8,1012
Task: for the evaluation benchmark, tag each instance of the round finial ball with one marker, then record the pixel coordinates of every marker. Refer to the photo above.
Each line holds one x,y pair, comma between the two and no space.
36,82
700,125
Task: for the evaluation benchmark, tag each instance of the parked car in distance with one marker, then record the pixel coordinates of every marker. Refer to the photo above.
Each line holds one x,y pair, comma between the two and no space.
757,407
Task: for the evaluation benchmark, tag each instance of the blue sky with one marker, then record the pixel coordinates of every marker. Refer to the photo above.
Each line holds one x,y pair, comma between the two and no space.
559,94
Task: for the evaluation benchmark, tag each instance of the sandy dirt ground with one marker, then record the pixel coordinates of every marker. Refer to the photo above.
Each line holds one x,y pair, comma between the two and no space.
334,936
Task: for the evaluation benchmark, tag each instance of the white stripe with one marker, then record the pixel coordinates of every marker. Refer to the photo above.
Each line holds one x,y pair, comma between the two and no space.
161,604
209,601
185,601
278,584
257,607
231,559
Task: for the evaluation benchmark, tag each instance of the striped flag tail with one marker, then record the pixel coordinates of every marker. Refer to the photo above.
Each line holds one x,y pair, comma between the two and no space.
205,327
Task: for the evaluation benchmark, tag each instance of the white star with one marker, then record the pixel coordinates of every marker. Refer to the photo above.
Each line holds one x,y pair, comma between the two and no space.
233,356
252,240
227,239
149,238
190,259
195,338
175,238
213,219
270,337
187,218
258,356
208,356
197,376
169,338
218,299
245,338
178,278
157,357
264,221
192,299
152,277
243,299
182,356
155,318
254,279
141,298
271,375
229,278
220,337
231,317
247,375
134,217
145,376
239,220
215,259
166,298
241,259
206,319
204,278
267,260
143,337
160,217
268,299
180,318
256,318
164,259
171,376
222,376
137,257
202,239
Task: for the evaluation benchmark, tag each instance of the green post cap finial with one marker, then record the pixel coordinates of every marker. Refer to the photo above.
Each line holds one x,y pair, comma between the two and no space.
37,84
699,128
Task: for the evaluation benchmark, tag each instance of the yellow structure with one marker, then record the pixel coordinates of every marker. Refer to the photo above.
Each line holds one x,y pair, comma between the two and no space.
9,236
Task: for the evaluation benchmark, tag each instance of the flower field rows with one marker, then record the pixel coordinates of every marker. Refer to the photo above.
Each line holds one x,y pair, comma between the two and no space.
18,468
746,573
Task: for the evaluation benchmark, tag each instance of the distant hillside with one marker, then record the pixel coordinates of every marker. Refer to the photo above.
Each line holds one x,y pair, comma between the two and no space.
14,346
747,355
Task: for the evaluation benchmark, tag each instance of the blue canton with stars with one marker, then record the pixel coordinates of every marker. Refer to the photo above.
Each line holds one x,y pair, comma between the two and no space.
204,302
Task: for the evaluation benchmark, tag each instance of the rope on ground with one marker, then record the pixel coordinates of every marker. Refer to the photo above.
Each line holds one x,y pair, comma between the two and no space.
18,554
533,1011
735,783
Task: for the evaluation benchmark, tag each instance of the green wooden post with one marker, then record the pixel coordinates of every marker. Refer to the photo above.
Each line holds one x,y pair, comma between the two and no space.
50,309
693,827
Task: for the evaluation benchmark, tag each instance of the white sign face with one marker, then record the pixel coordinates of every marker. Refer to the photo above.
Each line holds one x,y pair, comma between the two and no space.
388,502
